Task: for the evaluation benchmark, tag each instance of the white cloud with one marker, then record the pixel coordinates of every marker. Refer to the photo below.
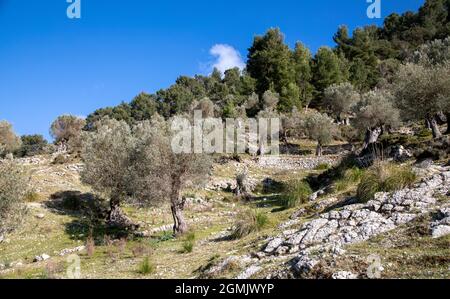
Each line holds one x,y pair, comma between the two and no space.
227,58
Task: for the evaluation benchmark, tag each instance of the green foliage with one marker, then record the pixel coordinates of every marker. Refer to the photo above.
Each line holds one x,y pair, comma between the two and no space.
350,177
329,69
322,166
32,145
14,186
189,242
9,141
146,267
341,98
320,127
384,177
297,193
248,222
68,129
270,63
376,109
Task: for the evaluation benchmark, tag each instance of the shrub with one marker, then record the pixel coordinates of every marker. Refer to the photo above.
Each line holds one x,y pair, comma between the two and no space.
14,186
322,166
9,141
298,193
384,177
350,177
189,243
249,222
32,145
146,267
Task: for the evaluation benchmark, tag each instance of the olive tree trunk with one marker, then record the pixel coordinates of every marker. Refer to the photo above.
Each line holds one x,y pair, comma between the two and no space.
177,206
434,127
372,135
319,150
117,218
448,123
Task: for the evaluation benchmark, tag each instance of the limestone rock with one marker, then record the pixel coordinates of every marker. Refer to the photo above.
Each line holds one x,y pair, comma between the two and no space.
344,275
41,258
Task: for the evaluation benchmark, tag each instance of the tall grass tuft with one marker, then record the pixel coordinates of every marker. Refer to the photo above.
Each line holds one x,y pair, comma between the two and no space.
189,243
249,222
384,177
298,192
146,267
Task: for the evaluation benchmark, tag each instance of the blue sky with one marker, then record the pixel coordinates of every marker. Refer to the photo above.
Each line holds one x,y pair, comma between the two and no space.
52,65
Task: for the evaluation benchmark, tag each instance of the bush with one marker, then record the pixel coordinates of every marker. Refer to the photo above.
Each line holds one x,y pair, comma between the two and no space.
9,141
298,193
350,177
14,186
384,177
32,145
189,243
146,267
249,222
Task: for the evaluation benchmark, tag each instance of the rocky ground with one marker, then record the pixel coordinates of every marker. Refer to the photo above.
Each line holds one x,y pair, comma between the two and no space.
400,234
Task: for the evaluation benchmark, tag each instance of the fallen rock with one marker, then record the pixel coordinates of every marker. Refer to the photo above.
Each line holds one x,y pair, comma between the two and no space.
40,216
41,258
273,245
305,264
344,275
249,272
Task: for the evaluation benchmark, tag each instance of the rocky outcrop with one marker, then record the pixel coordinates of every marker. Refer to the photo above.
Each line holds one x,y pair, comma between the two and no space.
441,226
360,222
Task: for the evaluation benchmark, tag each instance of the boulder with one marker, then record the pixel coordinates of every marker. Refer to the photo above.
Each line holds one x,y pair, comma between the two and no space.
41,258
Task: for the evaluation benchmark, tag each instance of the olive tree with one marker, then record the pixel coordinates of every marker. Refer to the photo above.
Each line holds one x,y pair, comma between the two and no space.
341,98
66,130
107,158
14,185
161,172
374,113
9,141
422,92
321,128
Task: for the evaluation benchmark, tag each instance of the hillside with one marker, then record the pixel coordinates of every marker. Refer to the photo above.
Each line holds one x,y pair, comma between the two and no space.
56,226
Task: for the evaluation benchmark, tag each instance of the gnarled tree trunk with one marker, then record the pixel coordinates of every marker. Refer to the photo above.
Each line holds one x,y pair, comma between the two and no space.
177,206
448,123
117,218
434,127
319,150
372,135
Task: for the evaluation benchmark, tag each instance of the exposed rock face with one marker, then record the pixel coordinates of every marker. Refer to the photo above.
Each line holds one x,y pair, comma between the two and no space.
441,227
359,222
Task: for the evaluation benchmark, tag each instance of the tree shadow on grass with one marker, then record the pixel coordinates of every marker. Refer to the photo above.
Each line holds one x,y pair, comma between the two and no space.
89,212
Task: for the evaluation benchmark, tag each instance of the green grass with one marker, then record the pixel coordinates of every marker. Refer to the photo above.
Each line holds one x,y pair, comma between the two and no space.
349,178
323,166
248,222
298,193
189,243
146,267
384,177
